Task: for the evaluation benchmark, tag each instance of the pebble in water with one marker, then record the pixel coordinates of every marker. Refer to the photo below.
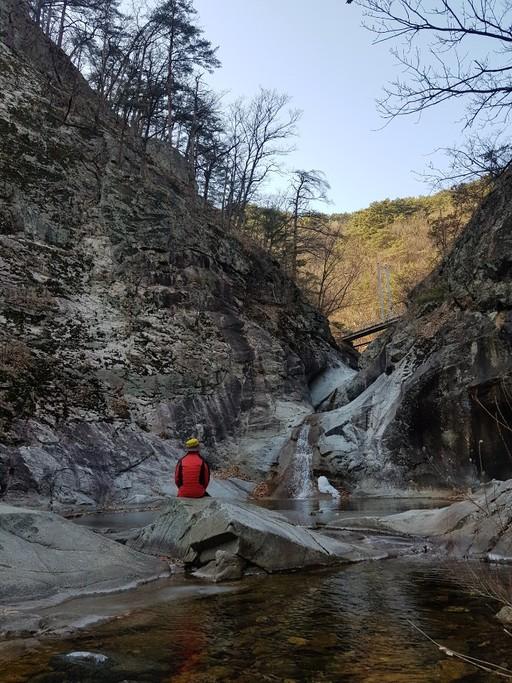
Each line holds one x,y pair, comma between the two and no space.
92,657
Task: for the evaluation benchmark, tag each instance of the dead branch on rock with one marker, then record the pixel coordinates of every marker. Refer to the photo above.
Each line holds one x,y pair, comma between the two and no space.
481,664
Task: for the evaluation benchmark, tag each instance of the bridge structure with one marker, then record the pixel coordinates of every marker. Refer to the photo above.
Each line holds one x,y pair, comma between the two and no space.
369,330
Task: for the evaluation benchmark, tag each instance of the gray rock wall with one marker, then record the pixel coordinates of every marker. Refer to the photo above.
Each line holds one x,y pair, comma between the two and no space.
433,405
128,318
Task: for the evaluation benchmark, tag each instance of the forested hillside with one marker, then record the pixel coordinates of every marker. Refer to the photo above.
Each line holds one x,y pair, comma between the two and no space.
148,66
359,267
397,243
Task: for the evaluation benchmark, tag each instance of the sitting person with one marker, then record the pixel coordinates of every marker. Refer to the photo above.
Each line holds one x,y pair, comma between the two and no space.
192,474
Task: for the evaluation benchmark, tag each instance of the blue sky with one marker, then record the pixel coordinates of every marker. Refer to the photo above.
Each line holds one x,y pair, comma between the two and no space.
319,54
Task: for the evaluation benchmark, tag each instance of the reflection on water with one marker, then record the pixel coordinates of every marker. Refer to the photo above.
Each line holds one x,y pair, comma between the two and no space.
323,510
118,521
351,624
309,511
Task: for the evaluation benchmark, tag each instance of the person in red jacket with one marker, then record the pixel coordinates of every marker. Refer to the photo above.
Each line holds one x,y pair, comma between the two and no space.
192,474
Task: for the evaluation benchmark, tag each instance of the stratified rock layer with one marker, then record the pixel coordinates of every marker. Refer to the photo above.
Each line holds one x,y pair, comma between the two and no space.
129,319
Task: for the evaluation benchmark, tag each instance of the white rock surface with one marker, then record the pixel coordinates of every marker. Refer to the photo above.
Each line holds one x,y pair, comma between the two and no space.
352,438
325,486
328,381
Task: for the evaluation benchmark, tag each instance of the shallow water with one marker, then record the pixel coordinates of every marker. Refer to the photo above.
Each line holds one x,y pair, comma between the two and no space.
350,624
118,521
307,511
312,511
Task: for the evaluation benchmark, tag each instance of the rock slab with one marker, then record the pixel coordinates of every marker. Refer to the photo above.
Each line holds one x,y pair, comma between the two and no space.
196,530
479,526
43,556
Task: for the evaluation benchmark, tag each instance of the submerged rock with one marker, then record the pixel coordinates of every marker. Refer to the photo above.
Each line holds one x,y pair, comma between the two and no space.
43,556
505,615
196,530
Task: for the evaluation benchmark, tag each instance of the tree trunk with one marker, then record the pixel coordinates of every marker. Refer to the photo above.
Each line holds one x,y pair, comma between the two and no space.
170,79
39,13
62,23
295,236
49,18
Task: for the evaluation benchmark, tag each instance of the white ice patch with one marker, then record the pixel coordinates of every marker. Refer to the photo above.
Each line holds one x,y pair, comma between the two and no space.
331,379
325,486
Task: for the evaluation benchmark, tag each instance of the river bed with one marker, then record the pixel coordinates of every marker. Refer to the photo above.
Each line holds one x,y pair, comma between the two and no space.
351,624
355,623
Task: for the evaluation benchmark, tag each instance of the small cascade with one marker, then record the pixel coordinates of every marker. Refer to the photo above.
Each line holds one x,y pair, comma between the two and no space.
301,484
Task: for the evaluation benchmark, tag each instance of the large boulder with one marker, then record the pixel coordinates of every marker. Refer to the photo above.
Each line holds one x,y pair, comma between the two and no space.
45,557
222,534
479,526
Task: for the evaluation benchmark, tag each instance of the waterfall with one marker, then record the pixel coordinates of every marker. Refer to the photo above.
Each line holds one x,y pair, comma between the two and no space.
301,485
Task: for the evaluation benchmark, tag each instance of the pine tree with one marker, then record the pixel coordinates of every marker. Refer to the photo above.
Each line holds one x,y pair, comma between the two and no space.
186,50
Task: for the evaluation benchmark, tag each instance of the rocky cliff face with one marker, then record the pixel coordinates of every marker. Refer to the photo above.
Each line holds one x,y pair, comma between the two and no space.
433,406
128,319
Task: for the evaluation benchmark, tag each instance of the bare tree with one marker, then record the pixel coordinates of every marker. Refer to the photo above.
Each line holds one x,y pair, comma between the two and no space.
327,268
58,17
483,157
269,225
337,273
441,72
306,187
448,51
259,132
447,227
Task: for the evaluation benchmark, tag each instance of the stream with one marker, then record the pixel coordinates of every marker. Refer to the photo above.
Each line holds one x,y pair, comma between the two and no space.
350,624
353,623
312,511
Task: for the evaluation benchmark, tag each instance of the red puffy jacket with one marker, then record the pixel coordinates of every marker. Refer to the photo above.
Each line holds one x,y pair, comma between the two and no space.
192,476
